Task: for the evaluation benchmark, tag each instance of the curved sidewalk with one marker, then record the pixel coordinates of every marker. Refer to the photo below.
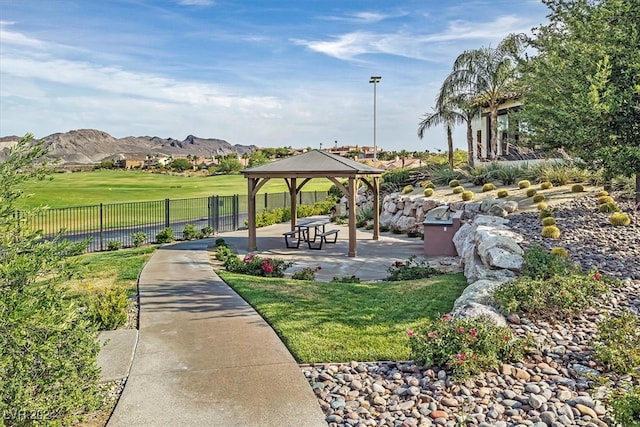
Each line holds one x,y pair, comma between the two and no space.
205,357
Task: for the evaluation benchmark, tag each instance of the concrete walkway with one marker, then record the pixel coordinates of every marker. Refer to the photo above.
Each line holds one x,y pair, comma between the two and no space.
205,357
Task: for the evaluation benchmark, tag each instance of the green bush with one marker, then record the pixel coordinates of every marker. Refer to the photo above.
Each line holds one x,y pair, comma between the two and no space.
139,238
409,270
558,251
479,175
548,221
223,252
620,219
207,231
488,187
577,188
605,199
220,242
428,192
165,235
617,343
113,245
608,208
407,189
458,190
555,297
464,346
542,206
626,407
550,232
400,176
108,308
524,184
542,264
507,175
531,192
454,183
467,195
346,279
427,184
538,198
257,266
307,273
502,194
544,213
190,233
546,185
603,193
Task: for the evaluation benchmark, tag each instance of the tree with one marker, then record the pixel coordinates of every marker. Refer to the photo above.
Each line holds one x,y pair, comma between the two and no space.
583,86
180,165
485,77
48,345
444,113
229,165
258,158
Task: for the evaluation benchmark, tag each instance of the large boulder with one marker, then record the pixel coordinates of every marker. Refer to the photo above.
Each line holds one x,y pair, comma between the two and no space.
475,310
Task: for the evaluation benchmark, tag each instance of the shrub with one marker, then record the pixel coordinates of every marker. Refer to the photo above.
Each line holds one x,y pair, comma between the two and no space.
558,251
551,232
608,208
409,270
555,297
620,219
544,213
223,252
602,193
108,308
617,344
113,245
538,198
626,407
524,184
507,175
502,194
479,175
464,346
407,189
207,231
488,187
605,199
346,279
428,184
531,192
220,242
257,266
546,185
165,235
189,232
428,192
467,195
458,190
548,221
577,188
541,264
139,238
542,206
400,176
307,273
454,183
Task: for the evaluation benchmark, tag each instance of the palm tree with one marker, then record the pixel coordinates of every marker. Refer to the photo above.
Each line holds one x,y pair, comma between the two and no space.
444,113
487,77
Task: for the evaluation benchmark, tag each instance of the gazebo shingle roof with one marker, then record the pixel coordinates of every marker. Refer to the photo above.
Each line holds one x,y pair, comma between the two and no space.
313,162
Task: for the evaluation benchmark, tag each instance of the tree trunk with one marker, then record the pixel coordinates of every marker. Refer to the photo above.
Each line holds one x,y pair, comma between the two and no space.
470,156
637,191
450,144
493,142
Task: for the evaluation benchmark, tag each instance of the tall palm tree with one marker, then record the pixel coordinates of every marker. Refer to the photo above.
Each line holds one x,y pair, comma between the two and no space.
444,113
488,77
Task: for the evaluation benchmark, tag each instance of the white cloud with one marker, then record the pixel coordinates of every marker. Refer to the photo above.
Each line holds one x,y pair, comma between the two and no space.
196,2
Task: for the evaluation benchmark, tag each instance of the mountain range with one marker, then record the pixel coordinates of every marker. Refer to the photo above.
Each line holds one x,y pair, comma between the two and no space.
91,146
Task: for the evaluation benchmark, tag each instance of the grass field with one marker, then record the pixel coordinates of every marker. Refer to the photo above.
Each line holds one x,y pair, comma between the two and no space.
340,322
115,186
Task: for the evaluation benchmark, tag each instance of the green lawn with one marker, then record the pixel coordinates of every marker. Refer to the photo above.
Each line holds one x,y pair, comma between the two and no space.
339,322
115,186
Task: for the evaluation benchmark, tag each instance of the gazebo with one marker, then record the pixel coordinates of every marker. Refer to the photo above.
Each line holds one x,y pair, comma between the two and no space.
309,165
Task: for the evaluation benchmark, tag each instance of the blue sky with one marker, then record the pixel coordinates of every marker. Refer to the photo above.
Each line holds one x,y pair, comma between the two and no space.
270,73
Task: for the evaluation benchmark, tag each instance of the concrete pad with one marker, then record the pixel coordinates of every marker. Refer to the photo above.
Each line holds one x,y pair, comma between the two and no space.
116,353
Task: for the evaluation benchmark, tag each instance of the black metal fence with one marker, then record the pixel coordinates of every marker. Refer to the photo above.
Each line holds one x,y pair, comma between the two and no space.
106,223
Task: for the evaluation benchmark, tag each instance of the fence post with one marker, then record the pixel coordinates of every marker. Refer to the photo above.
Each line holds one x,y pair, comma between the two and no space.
266,201
101,229
216,213
210,212
234,213
167,204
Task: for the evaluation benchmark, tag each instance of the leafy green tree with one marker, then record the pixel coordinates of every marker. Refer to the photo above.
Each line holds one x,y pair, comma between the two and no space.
583,86
48,345
257,158
180,165
229,165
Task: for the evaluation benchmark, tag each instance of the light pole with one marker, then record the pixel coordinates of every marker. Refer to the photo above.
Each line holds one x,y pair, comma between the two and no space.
375,80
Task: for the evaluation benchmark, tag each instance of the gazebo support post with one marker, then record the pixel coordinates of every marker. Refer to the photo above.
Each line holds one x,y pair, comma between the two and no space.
293,195
376,208
252,214
352,216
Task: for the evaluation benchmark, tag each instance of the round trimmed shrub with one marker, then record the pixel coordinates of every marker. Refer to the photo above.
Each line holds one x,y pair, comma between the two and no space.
538,198
459,189
605,199
620,219
551,232
542,206
467,195
407,189
427,184
524,184
488,187
502,194
608,208
531,192
577,188
428,192
545,213
548,221
454,183
561,252
546,185
602,193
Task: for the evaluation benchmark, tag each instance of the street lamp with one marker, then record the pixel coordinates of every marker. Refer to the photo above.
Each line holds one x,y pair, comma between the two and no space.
375,80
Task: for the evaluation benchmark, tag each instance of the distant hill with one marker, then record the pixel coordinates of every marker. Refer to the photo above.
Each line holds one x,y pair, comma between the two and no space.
90,146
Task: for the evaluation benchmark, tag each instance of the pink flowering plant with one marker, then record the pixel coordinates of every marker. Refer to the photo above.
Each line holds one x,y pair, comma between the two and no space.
464,346
255,265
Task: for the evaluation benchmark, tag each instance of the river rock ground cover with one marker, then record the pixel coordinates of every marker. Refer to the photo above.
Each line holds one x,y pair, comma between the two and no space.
554,387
